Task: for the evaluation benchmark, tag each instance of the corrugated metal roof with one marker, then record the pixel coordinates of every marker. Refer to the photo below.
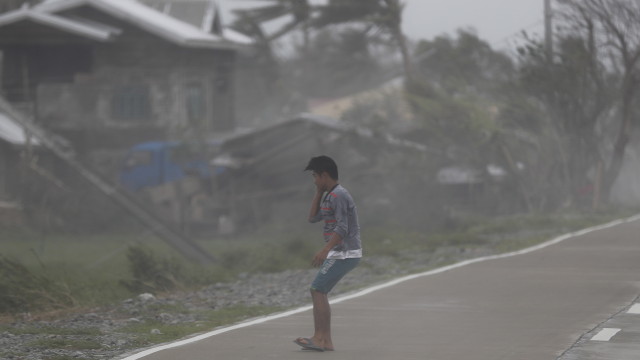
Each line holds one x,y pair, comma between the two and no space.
199,13
146,18
12,132
57,22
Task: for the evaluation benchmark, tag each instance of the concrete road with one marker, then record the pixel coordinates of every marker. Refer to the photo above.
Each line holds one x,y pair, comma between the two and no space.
534,305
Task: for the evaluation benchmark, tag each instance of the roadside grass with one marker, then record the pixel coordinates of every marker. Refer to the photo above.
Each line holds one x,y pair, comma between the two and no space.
83,271
49,330
154,332
94,270
140,334
67,344
499,234
54,338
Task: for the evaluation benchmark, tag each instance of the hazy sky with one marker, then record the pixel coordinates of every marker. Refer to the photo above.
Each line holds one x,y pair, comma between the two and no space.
496,21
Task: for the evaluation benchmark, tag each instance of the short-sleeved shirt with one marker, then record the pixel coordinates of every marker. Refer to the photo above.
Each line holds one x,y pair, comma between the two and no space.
339,213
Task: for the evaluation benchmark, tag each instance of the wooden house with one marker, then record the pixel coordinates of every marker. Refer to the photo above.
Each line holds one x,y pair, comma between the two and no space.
111,73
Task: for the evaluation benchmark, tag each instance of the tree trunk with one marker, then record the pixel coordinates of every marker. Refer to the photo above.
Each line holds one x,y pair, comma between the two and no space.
395,8
404,51
617,158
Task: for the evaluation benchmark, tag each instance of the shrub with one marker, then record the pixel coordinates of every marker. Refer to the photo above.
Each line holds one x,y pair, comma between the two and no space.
21,290
150,274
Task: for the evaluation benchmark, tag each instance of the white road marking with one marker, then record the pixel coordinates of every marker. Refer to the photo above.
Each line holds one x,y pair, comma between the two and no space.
635,309
367,291
605,334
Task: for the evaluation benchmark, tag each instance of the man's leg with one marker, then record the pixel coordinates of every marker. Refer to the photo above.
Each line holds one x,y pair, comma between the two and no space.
321,320
327,278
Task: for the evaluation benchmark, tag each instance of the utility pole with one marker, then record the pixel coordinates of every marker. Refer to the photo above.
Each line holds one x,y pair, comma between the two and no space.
548,30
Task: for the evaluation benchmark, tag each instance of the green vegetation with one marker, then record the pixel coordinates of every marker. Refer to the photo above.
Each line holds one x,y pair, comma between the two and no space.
69,344
54,338
140,334
153,332
49,330
21,288
499,234
62,272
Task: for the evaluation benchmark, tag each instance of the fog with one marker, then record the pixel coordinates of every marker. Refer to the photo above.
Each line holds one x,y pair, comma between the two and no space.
142,117
497,21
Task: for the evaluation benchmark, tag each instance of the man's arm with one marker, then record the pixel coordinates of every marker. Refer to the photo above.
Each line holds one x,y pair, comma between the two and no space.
314,213
321,256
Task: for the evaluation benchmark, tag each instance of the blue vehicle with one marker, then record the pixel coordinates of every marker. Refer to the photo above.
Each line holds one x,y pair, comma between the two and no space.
155,163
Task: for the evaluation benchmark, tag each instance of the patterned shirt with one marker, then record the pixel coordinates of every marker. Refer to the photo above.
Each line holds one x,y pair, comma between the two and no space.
338,210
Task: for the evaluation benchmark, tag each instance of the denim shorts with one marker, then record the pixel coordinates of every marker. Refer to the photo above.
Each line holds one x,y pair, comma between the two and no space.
331,271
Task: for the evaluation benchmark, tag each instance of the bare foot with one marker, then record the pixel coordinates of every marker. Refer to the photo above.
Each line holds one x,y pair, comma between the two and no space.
313,344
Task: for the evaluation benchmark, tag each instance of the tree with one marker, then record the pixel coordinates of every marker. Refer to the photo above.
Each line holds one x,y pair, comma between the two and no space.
612,30
263,93
381,15
340,60
343,64
251,21
456,105
462,64
572,90
300,12
459,109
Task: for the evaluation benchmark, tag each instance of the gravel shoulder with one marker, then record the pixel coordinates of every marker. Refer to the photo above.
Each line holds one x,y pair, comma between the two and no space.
140,322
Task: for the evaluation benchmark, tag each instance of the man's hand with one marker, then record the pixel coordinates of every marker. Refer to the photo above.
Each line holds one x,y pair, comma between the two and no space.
320,257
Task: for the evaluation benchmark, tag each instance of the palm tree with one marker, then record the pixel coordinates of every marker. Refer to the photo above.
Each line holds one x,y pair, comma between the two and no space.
385,15
300,10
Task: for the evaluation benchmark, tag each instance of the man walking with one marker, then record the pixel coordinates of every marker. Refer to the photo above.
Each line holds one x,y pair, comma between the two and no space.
342,251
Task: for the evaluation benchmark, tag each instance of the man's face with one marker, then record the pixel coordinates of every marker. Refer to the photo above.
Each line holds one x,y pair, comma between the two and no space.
320,180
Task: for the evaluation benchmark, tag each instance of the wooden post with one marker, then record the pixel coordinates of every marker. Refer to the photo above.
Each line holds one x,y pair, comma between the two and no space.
548,30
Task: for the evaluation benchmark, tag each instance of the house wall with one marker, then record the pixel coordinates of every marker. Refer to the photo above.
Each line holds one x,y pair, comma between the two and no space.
9,172
146,84
140,83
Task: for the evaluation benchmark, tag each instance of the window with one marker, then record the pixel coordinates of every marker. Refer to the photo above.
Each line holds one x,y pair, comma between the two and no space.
194,101
130,103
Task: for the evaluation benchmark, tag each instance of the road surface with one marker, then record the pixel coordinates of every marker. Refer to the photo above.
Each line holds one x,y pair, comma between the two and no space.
563,300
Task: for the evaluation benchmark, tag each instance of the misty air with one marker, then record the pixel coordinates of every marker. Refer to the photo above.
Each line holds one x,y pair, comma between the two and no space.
371,179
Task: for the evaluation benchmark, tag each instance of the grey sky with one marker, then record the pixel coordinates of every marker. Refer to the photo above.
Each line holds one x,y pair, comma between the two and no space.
496,21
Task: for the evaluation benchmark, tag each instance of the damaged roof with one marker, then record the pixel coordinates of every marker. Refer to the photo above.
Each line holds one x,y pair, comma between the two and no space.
203,14
12,132
52,13
64,24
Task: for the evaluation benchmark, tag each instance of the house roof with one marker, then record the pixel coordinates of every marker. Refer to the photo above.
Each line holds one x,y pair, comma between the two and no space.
142,16
63,24
334,125
199,13
335,108
13,133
